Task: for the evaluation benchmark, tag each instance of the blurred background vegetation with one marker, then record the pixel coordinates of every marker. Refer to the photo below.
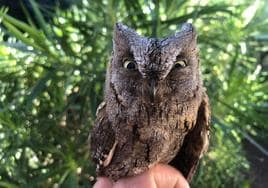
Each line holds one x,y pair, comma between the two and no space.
53,58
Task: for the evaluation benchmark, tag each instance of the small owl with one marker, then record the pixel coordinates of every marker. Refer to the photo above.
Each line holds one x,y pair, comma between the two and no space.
155,108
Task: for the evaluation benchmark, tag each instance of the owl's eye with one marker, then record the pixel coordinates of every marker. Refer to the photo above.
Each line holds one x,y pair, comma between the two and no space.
180,64
130,65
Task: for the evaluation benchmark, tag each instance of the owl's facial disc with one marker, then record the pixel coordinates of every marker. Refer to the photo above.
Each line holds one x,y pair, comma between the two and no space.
153,61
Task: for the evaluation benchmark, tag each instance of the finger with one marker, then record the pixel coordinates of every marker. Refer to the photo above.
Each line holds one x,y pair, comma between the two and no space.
103,182
160,176
143,180
167,176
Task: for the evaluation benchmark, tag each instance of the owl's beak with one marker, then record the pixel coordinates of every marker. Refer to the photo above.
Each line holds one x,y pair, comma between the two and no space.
152,89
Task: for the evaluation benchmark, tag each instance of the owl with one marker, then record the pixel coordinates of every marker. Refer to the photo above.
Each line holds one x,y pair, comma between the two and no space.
155,107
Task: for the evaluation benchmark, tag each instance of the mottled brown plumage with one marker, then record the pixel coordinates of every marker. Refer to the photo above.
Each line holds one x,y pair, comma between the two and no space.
155,108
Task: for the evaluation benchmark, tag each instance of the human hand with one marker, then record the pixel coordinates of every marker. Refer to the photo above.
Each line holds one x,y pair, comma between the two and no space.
160,176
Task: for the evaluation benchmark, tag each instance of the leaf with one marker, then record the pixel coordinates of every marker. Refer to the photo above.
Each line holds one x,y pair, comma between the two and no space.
42,177
40,17
39,87
27,14
196,13
19,35
202,11
23,26
172,6
18,45
5,184
64,176
71,180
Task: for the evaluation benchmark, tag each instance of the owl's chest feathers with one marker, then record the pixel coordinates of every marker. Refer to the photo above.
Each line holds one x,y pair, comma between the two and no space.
169,115
154,132
137,121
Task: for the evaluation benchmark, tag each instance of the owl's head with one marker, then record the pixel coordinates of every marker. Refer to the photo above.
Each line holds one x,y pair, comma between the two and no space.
152,69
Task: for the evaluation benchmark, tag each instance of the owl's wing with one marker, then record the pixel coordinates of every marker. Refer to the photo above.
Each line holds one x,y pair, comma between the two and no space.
102,139
195,143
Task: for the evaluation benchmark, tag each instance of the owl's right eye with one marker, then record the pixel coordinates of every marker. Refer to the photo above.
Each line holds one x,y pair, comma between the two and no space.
180,64
130,65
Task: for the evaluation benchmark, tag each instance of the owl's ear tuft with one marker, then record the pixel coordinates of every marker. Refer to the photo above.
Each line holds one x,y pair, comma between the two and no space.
187,32
123,31
188,27
120,40
121,27
187,36
123,37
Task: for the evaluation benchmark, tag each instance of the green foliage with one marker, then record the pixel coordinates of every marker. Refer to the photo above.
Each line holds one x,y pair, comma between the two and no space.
51,81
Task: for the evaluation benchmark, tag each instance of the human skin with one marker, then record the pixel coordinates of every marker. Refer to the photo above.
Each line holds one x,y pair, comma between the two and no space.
160,176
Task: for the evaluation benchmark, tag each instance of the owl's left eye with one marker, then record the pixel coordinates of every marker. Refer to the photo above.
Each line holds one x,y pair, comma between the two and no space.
180,64
130,65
